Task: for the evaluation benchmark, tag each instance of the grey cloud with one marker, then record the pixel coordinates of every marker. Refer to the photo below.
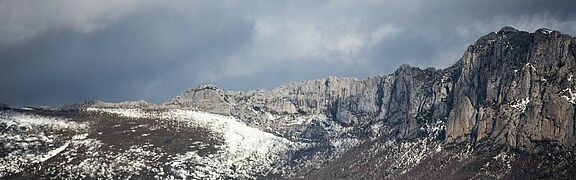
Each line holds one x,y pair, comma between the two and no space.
68,51
24,20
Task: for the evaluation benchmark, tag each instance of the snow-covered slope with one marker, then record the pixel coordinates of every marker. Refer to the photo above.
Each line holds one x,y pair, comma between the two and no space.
29,139
164,144
246,152
113,142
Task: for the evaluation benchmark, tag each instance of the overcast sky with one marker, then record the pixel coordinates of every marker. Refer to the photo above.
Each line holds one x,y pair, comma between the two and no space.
66,51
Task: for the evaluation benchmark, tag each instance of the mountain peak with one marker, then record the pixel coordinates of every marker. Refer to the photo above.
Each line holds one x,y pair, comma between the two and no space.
544,31
204,87
207,86
507,29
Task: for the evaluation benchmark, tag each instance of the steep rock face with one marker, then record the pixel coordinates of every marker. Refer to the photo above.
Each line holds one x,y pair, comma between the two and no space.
515,88
418,97
407,100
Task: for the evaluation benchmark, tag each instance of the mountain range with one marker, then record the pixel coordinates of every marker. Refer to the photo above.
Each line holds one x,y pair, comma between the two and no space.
505,110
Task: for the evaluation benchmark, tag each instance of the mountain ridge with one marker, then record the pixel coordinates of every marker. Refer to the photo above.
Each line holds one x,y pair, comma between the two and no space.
505,110
459,93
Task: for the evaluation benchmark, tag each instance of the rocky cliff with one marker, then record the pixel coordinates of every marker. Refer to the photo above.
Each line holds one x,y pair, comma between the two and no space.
515,88
511,87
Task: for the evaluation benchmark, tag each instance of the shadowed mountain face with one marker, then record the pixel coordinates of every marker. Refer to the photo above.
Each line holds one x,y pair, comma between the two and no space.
504,110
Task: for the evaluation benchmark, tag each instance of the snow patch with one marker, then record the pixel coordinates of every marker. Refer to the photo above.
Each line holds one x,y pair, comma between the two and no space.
546,31
529,65
11,118
54,152
445,78
130,113
568,95
520,104
80,136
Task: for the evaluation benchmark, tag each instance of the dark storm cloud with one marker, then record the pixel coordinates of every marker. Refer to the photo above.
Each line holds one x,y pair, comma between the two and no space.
129,59
66,51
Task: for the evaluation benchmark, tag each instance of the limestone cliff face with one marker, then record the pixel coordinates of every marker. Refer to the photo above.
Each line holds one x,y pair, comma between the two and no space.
511,87
515,88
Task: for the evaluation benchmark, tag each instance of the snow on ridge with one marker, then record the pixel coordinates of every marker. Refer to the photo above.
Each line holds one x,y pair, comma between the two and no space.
239,137
11,118
546,31
236,132
247,151
130,113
